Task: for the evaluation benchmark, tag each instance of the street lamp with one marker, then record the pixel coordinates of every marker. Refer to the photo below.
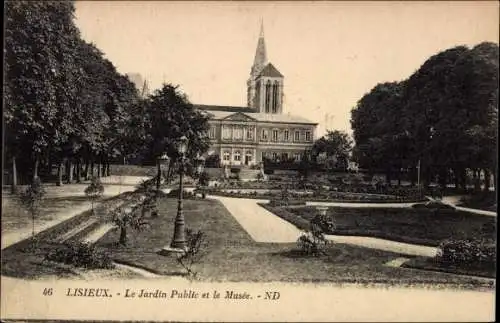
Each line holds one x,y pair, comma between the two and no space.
179,239
162,160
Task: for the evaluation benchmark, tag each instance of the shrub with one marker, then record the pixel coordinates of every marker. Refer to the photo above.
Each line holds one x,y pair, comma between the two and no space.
313,242
81,255
196,250
467,252
324,222
94,190
204,179
31,199
434,205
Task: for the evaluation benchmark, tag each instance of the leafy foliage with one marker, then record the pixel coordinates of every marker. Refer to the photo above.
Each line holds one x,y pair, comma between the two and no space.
94,190
31,199
196,250
468,252
81,255
129,218
443,118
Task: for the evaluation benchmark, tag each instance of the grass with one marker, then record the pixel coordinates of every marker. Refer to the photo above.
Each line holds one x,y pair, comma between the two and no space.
132,170
232,255
14,216
434,265
418,226
483,201
22,261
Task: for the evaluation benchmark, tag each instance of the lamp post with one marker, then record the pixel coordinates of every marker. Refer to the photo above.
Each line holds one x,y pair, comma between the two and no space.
162,160
179,239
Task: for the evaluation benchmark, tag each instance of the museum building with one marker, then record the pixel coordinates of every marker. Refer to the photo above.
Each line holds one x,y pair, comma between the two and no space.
244,136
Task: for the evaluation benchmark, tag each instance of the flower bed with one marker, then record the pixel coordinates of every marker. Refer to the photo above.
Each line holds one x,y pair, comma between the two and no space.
326,196
419,226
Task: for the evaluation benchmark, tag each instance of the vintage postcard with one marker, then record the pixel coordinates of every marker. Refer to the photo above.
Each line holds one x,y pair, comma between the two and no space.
249,161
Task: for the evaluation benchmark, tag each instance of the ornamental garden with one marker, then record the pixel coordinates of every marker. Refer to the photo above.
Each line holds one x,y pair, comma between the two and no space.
103,182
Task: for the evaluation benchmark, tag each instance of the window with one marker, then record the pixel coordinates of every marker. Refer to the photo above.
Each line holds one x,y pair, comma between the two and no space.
226,132
249,156
285,156
286,135
275,156
308,136
275,135
237,155
238,133
211,133
275,97
268,97
226,155
264,134
250,133
296,136
296,156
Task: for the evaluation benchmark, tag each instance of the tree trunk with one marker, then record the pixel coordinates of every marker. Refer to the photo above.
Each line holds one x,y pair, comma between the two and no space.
35,168
487,180
79,171
49,166
60,174
123,236
108,173
158,175
86,170
103,168
70,171
14,175
98,166
494,181
92,168
476,175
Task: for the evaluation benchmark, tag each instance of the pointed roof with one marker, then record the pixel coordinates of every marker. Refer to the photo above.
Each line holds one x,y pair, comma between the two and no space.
260,54
271,71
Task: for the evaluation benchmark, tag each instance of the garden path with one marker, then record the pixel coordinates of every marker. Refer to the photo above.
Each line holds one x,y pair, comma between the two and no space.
264,226
455,199
114,185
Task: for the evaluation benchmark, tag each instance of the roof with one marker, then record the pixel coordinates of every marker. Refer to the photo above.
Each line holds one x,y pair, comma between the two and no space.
271,71
242,113
226,108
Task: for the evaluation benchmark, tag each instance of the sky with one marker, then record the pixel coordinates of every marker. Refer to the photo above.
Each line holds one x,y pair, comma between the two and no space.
330,53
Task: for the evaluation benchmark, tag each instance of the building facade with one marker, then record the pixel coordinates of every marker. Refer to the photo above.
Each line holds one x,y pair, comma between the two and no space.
244,136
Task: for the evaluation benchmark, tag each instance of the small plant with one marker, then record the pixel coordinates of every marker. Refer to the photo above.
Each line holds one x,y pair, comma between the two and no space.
149,206
81,255
313,242
94,190
195,252
124,219
31,199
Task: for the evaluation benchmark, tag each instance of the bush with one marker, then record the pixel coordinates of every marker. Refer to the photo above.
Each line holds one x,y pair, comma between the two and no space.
434,205
468,252
313,242
81,255
196,250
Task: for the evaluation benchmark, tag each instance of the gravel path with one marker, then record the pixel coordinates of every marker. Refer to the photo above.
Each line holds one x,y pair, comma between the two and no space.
261,225
98,233
264,226
386,245
114,185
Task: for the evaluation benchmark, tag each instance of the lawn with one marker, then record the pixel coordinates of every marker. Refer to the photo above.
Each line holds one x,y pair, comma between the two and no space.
232,255
418,226
483,201
14,216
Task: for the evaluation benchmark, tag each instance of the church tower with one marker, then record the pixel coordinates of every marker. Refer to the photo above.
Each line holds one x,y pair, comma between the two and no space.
265,85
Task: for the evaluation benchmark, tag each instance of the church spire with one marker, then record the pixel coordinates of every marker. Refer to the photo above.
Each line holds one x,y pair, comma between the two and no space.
260,54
